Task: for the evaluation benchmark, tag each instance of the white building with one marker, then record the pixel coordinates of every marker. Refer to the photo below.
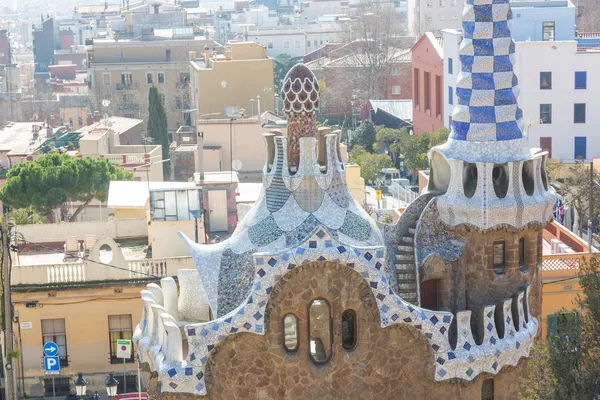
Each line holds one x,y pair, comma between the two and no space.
559,83
295,40
433,16
310,11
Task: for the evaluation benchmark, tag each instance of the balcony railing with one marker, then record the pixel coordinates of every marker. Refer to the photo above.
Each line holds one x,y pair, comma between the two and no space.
90,271
127,86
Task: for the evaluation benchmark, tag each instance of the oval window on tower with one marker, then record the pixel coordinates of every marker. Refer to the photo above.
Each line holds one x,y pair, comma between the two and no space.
527,177
349,329
290,332
500,180
320,335
469,179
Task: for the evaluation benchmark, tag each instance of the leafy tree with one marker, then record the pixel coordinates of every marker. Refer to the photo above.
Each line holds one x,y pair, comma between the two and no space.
388,139
370,164
157,126
282,64
567,366
53,179
364,136
414,148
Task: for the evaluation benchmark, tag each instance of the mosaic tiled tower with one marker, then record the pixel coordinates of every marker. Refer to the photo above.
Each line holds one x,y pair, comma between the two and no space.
300,94
306,242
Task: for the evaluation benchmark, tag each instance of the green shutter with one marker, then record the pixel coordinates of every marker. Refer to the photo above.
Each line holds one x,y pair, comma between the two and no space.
551,325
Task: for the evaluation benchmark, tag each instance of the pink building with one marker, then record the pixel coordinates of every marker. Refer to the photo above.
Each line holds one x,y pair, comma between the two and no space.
428,83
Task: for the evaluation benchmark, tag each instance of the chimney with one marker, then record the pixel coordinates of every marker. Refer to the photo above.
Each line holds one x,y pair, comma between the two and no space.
251,107
258,104
198,156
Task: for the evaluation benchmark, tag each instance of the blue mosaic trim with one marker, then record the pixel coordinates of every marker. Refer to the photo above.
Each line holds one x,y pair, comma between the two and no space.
465,361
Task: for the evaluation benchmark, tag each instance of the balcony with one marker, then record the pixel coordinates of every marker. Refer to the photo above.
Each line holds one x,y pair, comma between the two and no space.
127,86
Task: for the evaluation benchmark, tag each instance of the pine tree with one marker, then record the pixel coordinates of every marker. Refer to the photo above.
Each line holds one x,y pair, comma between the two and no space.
157,126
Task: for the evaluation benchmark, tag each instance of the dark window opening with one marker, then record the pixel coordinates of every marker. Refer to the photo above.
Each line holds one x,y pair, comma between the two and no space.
545,80
450,66
53,330
290,333
469,179
131,383
430,294
580,148
427,90
500,180
548,31
487,389
349,328
498,258
416,87
62,386
545,113
320,332
527,174
579,113
522,266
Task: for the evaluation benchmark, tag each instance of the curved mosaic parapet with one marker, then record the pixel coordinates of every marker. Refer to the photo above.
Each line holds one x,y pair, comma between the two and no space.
465,361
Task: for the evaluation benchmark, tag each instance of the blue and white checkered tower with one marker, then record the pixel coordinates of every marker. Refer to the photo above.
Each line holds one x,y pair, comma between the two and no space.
486,168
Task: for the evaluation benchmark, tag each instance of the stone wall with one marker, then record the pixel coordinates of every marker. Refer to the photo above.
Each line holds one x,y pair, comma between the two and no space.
472,283
391,363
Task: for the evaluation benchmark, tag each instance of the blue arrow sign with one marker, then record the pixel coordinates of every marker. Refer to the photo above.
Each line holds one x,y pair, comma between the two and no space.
52,364
50,349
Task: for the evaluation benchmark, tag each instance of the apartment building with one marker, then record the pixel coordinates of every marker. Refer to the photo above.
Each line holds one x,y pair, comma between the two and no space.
222,84
123,71
433,15
295,40
557,105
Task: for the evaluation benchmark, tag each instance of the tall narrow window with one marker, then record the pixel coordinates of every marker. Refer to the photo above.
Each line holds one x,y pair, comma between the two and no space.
545,113
522,265
580,148
579,113
149,78
349,329
548,31
450,66
487,389
416,89
290,333
498,257
580,79
53,330
119,327
168,54
427,90
320,332
438,95
450,95
545,80
161,77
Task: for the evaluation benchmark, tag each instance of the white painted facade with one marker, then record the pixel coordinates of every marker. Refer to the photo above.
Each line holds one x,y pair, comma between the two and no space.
562,59
452,39
433,15
294,40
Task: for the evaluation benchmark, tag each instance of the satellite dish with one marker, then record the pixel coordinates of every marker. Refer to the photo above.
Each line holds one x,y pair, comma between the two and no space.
105,103
236,165
36,117
223,84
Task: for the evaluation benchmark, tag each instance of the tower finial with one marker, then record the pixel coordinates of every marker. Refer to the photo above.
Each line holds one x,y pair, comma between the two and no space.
300,96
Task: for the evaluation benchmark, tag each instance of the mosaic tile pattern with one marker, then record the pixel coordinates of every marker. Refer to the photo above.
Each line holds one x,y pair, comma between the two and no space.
433,236
465,361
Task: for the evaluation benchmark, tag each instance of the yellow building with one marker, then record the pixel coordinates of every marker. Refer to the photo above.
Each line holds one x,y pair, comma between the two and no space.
74,110
124,71
221,83
356,184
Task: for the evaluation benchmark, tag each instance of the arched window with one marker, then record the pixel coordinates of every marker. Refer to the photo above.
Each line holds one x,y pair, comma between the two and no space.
290,332
487,389
469,179
320,332
500,180
349,326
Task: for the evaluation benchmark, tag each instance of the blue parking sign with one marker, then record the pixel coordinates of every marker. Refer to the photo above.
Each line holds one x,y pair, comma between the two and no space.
52,364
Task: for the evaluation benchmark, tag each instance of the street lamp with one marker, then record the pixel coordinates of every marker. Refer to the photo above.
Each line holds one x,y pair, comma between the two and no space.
80,385
111,386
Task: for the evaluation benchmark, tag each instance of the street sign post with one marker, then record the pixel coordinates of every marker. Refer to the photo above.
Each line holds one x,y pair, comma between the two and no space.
50,349
124,352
